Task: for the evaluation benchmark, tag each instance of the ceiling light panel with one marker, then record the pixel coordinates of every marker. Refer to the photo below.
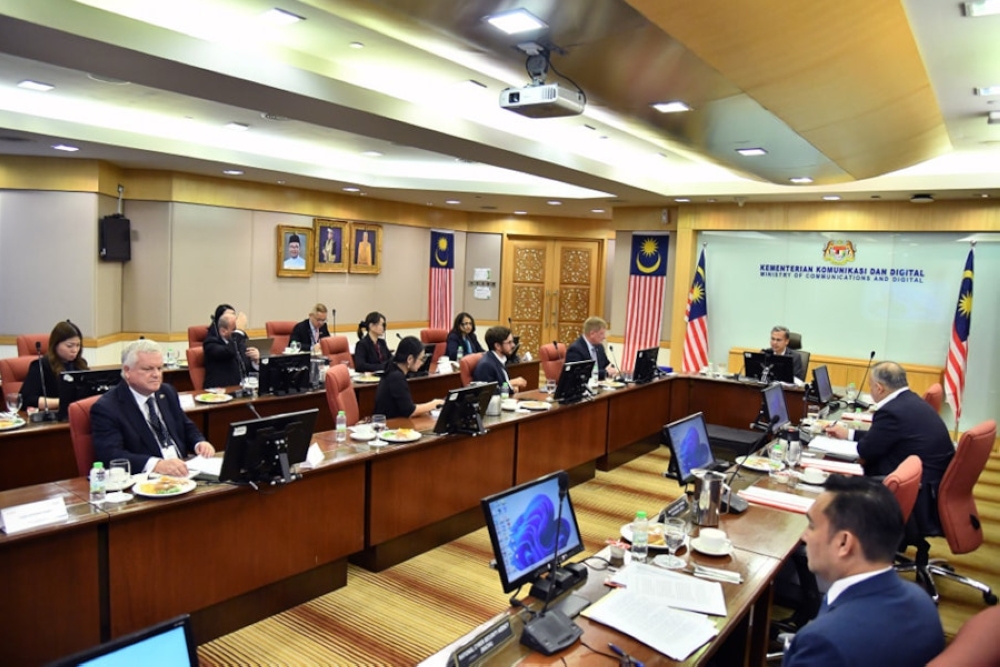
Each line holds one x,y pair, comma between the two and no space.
516,21
751,152
675,106
978,8
28,84
278,17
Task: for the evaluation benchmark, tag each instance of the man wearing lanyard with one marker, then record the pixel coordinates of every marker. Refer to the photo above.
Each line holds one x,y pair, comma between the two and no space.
308,332
590,345
141,418
492,365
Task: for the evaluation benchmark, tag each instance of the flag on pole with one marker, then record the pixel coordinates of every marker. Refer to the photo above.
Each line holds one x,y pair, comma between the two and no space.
646,282
441,280
958,350
696,316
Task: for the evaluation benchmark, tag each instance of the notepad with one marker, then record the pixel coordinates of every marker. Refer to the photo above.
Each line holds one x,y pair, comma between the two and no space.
681,591
839,467
842,449
778,499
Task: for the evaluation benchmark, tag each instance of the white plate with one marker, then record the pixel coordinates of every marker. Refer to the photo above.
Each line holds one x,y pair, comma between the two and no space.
655,536
535,405
111,486
11,424
611,384
183,486
213,398
363,436
760,463
726,550
396,435
819,480
365,379
509,405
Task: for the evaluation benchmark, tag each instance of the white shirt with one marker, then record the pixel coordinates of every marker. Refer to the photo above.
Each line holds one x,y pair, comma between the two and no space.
141,401
295,262
841,585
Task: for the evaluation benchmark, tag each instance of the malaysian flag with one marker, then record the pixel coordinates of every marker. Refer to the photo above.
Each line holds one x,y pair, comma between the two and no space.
441,280
646,280
958,351
696,316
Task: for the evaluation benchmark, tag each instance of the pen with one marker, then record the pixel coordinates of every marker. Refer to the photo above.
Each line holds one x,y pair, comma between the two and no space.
622,654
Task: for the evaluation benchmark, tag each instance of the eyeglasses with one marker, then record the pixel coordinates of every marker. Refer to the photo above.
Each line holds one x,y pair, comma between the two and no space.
467,323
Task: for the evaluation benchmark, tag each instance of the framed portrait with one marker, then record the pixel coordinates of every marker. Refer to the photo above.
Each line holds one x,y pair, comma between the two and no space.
330,253
366,248
294,258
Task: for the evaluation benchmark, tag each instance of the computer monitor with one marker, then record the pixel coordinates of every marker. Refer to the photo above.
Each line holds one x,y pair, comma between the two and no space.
689,446
425,368
285,374
774,404
263,451
464,409
572,384
644,369
769,367
522,522
169,643
821,384
78,385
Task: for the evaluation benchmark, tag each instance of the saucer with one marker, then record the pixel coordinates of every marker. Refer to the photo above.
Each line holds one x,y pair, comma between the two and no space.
726,550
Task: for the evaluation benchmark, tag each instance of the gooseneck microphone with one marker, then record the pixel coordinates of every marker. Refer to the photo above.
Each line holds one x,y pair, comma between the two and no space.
253,409
611,349
858,403
333,313
732,502
45,415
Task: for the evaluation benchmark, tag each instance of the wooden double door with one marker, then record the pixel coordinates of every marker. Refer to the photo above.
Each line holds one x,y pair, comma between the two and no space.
550,287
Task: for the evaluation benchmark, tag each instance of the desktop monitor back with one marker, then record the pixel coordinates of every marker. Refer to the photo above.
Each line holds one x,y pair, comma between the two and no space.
254,447
644,369
285,374
168,643
78,385
781,367
821,382
464,409
689,446
572,384
774,404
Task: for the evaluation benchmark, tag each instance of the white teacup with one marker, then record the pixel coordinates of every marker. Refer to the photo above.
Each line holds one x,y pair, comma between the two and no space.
713,539
813,476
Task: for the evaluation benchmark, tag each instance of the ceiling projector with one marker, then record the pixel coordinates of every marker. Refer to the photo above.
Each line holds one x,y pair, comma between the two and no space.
547,100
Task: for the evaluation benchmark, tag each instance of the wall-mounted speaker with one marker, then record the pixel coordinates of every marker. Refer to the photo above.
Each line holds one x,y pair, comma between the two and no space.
114,238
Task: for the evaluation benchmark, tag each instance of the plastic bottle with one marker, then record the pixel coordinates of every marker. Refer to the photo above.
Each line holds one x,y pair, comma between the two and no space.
459,354
504,391
640,538
98,483
778,450
341,428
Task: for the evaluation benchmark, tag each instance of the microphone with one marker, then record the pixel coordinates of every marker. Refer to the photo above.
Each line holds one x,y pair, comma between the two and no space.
333,312
253,409
611,349
857,402
45,415
732,502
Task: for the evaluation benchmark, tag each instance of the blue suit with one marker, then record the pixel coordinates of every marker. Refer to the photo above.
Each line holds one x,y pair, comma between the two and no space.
878,622
579,351
490,369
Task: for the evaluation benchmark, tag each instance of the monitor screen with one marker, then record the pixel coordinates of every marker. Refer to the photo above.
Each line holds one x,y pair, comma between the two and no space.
821,382
425,368
522,522
464,409
166,644
265,449
285,374
78,385
774,404
645,365
777,367
689,446
572,385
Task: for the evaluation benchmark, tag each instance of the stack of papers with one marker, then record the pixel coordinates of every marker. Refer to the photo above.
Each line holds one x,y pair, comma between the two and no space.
839,467
674,588
778,499
842,449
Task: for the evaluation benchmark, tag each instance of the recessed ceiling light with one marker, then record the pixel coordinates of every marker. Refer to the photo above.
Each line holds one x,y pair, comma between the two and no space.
352,189
993,118
237,127
453,202
372,154
520,213
987,90
280,182
751,152
681,200
978,8
831,197
28,84
711,200
233,172
280,17
357,45
554,202
984,195
597,210
674,106
922,198
65,147
800,180
516,21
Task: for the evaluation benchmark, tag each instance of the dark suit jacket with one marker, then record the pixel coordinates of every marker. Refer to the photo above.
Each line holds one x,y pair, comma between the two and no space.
490,369
878,622
393,398
798,368
579,351
366,357
455,340
120,430
302,332
225,362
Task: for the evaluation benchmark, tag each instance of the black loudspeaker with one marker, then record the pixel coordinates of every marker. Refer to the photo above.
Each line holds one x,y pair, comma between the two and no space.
114,238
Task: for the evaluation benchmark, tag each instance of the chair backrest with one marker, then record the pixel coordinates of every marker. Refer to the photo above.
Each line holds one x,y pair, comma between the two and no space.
79,433
340,393
975,645
281,332
26,344
467,366
196,367
337,350
956,504
805,361
935,396
440,339
794,340
552,356
13,371
197,335
904,482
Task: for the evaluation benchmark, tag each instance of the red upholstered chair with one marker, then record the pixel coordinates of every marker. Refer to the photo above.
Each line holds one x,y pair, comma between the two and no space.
196,367
13,371
957,511
281,332
340,393
935,396
904,482
976,643
552,357
337,350
467,366
440,339
79,433
197,335
26,344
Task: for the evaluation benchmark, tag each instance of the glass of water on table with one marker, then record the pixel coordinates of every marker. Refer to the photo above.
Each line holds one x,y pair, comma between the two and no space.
378,425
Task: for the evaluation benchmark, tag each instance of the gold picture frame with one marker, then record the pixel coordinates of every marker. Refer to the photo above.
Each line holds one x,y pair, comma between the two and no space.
366,248
330,254
294,261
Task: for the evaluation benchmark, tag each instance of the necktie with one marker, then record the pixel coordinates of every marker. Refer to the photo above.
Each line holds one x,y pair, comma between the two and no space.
157,424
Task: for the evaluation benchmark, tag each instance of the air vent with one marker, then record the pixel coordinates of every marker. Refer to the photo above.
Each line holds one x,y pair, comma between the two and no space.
273,116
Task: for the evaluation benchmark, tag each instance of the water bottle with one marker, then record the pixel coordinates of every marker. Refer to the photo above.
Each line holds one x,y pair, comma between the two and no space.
459,354
341,428
504,391
98,483
778,450
640,538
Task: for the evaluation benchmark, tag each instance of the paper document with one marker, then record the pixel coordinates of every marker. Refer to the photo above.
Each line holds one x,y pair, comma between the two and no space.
674,589
208,466
842,449
675,633
778,499
840,467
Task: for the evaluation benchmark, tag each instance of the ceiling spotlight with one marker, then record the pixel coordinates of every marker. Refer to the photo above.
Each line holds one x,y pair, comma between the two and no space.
993,118
28,84
978,8
233,172
65,147
554,202
831,197
280,17
681,200
372,154
516,21
675,106
452,202
520,213
751,152
987,90
237,127
922,198
357,45
351,189
597,210
801,180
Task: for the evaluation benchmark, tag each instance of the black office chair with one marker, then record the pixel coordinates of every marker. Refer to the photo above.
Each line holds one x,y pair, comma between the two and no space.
795,343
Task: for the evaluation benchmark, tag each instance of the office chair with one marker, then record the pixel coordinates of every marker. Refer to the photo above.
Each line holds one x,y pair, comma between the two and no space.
340,393
935,396
197,335
281,332
26,344
440,339
975,645
552,356
13,370
196,367
467,366
904,482
337,350
79,433
956,509
795,343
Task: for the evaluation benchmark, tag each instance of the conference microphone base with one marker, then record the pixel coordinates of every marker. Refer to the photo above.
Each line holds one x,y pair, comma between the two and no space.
42,416
550,632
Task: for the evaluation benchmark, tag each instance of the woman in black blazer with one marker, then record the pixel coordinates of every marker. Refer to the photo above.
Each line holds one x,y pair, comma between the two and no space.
462,336
371,353
64,354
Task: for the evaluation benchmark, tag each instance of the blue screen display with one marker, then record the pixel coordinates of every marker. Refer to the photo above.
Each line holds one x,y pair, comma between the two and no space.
167,649
689,441
774,398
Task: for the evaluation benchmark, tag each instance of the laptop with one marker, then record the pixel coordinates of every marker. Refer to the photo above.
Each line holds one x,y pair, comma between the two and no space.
263,345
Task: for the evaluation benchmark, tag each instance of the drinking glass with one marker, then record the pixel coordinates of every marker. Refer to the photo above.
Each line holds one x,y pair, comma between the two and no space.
13,403
119,473
378,425
550,386
674,533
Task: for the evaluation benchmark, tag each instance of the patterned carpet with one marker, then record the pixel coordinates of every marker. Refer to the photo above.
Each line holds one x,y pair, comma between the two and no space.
408,612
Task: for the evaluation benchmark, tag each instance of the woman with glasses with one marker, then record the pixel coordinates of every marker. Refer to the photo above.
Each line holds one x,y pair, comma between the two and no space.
64,354
371,353
393,398
462,337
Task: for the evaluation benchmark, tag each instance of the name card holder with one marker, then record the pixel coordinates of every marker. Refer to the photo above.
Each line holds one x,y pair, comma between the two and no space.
31,515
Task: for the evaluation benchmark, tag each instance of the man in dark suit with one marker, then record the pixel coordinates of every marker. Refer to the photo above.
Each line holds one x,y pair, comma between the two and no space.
779,345
492,365
590,346
141,419
227,357
870,616
308,332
